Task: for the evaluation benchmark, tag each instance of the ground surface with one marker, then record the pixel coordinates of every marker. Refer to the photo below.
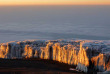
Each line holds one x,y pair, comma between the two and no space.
34,66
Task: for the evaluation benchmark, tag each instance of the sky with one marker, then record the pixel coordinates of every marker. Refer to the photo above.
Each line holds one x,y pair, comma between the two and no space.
54,2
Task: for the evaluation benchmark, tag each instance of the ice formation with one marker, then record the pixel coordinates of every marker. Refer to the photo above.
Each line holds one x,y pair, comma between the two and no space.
82,53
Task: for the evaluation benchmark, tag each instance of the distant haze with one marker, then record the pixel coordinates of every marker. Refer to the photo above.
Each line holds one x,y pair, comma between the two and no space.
54,22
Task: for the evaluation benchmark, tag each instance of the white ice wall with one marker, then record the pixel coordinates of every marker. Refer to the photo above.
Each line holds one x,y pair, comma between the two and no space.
72,52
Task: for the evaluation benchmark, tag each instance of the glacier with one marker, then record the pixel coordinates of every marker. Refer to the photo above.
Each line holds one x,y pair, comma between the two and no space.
86,55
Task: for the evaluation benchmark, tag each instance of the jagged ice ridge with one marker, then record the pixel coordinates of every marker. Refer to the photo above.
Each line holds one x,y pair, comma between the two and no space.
82,53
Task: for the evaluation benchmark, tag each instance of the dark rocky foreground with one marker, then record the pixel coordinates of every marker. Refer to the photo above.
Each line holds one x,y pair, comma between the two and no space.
34,66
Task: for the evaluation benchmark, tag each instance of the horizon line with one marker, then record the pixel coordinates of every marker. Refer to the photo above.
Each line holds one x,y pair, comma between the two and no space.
58,5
